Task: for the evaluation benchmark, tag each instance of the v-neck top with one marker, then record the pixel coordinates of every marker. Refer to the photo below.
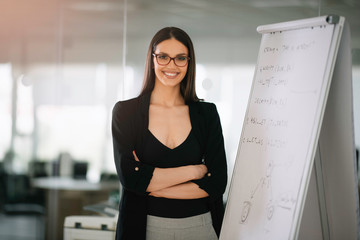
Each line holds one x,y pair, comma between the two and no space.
159,155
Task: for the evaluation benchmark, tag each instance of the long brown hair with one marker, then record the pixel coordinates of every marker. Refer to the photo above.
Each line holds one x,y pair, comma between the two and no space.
187,85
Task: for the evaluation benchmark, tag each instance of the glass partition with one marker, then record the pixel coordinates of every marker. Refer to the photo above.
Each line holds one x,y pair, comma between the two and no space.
68,72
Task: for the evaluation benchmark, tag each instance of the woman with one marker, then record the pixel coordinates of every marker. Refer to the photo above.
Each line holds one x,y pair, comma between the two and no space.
169,150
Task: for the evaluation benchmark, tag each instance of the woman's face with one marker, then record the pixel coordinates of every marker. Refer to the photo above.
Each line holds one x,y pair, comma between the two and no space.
170,75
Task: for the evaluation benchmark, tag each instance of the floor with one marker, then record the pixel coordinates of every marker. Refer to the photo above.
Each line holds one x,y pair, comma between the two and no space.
21,227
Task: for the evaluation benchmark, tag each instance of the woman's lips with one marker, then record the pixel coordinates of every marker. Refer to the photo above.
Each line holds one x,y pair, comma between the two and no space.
171,74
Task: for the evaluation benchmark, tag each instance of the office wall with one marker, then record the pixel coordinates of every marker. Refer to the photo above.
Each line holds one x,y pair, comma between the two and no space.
79,58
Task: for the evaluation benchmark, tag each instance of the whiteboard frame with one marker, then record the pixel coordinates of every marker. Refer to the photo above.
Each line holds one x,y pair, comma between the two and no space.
328,75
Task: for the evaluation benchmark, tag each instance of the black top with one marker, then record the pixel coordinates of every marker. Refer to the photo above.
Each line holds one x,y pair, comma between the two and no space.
158,155
130,121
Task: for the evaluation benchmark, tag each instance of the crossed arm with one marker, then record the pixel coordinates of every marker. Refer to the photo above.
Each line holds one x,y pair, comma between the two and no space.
176,182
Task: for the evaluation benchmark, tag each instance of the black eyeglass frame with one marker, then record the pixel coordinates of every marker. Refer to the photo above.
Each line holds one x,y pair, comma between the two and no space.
170,58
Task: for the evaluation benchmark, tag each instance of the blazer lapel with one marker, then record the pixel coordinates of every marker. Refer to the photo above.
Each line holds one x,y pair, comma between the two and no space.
197,123
142,122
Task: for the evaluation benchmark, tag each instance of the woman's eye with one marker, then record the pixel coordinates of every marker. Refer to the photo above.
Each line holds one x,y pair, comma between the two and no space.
181,58
163,57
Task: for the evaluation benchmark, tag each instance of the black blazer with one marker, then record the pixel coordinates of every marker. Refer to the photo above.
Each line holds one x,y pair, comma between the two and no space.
130,121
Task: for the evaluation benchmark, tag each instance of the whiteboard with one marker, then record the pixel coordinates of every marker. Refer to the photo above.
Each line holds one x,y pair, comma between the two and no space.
281,129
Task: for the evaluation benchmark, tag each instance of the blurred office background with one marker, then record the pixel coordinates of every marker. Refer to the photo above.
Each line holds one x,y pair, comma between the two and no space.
64,64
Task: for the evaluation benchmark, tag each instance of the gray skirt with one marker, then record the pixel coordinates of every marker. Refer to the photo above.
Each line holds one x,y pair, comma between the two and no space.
191,228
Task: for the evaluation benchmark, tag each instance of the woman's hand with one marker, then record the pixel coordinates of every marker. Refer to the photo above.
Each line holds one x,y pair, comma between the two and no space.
199,171
136,158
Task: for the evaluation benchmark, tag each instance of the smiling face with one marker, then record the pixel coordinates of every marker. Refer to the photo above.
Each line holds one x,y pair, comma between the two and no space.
170,75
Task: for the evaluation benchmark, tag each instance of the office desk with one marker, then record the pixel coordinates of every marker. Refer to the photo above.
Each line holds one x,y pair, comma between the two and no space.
67,196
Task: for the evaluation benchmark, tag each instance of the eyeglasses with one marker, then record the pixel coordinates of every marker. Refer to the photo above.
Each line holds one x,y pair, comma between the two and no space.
164,60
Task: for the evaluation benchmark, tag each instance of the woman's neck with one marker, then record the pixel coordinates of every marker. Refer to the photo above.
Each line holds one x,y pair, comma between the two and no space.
167,96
